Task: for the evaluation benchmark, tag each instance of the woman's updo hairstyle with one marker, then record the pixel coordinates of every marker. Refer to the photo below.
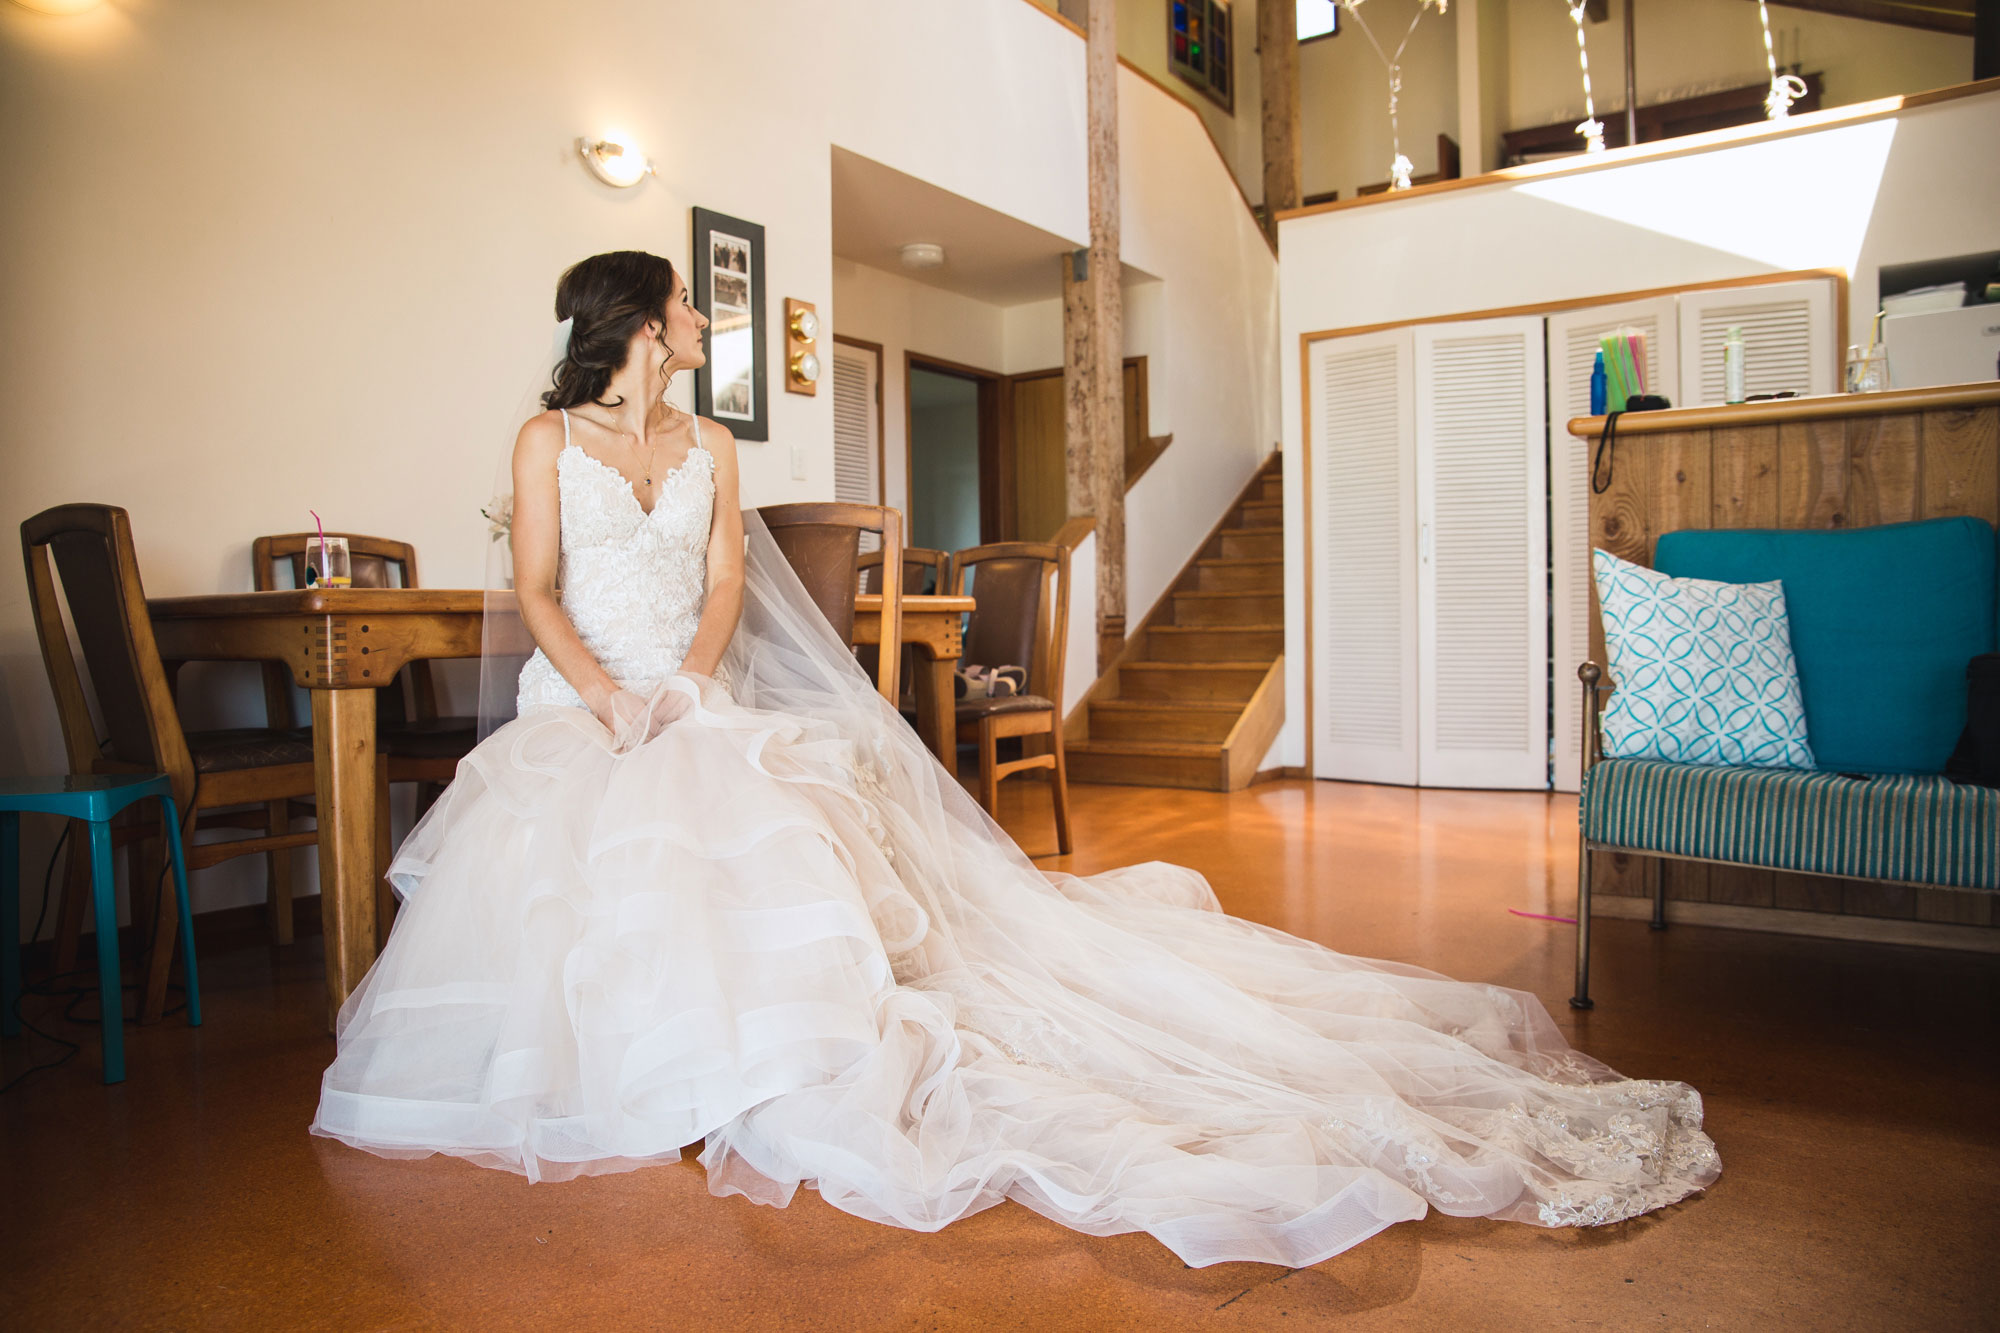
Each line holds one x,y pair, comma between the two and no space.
607,298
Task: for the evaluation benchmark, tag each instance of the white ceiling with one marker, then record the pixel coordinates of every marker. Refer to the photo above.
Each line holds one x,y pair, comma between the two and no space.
989,256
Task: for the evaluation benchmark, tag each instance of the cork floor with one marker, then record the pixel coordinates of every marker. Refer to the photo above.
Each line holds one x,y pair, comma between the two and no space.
1851,1089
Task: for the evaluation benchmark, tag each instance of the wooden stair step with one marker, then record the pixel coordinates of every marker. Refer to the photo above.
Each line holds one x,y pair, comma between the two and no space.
1158,720
1229,574
1260,514
1273,488
1249,544
1212,643
1147,763
1190,680
1228,608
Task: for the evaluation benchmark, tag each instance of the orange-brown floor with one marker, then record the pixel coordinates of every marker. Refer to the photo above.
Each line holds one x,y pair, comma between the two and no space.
1851,1088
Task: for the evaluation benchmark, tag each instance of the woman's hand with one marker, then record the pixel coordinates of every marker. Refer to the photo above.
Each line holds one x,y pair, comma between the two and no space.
633,718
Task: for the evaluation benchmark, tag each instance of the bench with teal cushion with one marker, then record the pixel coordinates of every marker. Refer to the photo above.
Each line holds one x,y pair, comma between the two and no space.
1904,828
1884,622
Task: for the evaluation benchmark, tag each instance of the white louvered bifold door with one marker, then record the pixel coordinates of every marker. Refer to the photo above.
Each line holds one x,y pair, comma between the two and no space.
1482,554
1572,349
857,419
1361,442
1788,339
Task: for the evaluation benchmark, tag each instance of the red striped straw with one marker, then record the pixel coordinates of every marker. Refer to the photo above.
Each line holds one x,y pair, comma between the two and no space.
321,525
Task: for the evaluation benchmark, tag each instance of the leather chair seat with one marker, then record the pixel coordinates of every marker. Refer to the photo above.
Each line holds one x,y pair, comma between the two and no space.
973,709
248,747
430,738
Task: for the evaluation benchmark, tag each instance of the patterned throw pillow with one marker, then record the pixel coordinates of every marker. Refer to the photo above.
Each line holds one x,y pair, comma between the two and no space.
1704,671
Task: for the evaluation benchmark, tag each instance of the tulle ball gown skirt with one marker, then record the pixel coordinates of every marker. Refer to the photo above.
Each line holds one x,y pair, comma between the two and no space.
806,951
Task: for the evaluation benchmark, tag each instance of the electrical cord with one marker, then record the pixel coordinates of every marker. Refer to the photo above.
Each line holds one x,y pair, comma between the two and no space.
49,988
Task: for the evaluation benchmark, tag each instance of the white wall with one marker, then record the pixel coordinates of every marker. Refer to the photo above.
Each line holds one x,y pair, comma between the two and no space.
1238,132
905,316
1919,184
265,256
1216,313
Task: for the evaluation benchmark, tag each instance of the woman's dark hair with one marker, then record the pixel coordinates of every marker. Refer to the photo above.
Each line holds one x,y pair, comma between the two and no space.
607,298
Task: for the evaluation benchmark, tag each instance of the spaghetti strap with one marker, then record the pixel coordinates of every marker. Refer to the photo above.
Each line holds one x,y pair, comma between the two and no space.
697,431
565,417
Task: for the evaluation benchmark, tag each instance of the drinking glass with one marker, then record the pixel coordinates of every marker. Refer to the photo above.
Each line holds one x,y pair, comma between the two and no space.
1868,372
327,562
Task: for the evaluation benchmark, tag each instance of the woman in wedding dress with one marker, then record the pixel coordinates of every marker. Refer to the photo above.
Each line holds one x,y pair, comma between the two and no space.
708,887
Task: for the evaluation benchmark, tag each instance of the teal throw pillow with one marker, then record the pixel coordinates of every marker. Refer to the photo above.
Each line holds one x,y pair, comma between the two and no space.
1884,619
1704,671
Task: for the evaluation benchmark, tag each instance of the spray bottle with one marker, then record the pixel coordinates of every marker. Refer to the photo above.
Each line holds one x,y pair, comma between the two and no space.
1732,365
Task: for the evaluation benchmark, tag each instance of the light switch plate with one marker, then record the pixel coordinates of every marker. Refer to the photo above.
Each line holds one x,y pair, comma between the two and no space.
798,462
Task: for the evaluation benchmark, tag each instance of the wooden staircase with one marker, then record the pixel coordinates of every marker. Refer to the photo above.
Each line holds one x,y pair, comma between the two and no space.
1198,694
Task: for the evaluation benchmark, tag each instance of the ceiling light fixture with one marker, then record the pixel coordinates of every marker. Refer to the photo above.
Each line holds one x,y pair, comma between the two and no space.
615,160
922,254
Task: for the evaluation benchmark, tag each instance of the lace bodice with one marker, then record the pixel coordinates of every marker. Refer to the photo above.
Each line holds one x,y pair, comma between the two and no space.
633,582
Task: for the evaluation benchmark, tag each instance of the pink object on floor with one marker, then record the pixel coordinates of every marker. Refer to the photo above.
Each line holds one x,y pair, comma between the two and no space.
1537,916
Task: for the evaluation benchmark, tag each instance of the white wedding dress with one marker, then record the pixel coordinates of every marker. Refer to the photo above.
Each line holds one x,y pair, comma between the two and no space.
788,934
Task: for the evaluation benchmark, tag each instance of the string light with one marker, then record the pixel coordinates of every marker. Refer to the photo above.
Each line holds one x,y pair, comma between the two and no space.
1592,128
1785,88
1400,167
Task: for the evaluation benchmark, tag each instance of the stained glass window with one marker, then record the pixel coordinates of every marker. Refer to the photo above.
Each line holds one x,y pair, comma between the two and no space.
1199,46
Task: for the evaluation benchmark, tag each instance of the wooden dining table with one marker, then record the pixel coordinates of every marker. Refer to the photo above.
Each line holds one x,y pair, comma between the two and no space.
340,644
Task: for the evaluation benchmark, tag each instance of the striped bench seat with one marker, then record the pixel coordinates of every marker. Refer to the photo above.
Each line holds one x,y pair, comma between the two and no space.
1913,830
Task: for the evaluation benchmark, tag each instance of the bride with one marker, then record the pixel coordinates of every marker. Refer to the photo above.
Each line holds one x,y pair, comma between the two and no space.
708,887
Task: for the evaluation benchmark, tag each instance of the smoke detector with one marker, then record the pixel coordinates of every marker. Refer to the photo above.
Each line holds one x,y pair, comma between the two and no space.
922,254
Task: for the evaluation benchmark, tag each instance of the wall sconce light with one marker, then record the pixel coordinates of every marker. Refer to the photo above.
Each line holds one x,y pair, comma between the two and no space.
615,160
801,347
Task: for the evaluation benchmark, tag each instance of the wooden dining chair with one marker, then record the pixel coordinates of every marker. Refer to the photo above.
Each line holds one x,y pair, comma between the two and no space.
81,558
413,743
924,571
1022,619
822,543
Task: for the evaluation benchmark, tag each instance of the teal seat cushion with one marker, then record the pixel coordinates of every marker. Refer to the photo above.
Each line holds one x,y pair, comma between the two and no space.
1884,621
1906,828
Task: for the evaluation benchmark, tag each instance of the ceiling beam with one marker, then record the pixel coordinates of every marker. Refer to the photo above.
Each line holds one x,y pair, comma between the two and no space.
1943,16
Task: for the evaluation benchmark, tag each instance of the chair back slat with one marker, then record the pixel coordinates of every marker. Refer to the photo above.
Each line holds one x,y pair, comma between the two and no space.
89,549
1022,612
822,543
377,562
374,562
923,570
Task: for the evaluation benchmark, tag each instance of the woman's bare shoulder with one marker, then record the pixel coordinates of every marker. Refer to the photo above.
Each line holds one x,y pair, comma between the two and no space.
541,438
716,437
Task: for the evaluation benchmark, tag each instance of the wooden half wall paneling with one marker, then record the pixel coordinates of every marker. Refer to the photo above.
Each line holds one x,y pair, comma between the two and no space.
1839,462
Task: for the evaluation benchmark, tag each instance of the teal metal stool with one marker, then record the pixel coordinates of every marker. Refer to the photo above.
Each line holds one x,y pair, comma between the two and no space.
94,798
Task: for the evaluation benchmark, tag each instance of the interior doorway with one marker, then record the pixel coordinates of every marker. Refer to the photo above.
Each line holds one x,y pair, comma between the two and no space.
958,496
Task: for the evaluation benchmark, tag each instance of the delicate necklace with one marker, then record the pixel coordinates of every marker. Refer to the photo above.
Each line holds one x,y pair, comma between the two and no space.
653,453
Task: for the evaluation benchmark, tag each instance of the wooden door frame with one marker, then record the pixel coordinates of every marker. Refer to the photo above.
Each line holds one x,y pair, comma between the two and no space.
881,422
996,443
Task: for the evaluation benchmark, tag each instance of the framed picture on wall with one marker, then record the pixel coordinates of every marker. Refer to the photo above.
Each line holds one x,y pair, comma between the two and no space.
729,288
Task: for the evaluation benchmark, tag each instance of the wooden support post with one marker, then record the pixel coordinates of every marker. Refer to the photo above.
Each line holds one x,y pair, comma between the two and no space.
1093,338
1278,66
1631,78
